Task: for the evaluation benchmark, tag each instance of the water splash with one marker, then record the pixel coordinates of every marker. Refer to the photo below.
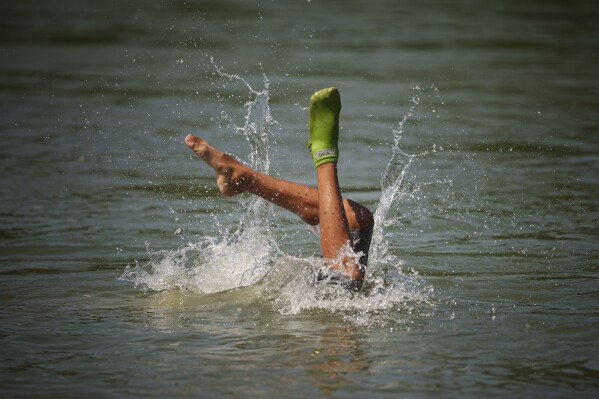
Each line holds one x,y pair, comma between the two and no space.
256,130
208,266
382,301
258,120
250,256
392,180
226,260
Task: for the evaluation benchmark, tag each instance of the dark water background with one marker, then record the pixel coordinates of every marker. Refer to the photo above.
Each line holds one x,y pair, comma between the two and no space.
490,286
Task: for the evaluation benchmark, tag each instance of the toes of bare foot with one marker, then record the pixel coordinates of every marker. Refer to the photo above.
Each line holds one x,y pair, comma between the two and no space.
191,140
198,145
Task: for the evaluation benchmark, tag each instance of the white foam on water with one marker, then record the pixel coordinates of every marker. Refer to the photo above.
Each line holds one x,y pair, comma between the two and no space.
250,255
214,264
382,300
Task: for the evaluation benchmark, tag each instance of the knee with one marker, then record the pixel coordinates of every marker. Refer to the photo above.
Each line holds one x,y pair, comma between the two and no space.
364,217
367,218
358,215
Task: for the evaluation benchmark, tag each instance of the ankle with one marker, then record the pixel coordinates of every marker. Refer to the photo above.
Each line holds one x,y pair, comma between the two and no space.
327,167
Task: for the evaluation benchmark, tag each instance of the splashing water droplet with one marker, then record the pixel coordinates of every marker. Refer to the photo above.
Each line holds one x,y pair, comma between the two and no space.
250,255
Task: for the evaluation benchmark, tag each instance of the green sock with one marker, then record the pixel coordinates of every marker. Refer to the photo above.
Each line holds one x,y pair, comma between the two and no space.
325,106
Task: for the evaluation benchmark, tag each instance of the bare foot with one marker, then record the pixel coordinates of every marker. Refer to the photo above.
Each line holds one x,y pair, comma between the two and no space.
232,177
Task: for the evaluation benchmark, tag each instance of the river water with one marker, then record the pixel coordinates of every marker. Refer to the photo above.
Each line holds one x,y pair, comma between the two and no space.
471,130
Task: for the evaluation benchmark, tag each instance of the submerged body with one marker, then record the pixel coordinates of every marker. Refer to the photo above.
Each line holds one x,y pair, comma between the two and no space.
324,206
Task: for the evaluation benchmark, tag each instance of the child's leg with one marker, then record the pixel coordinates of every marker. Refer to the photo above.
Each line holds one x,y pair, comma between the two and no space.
234,178
334,227
325,205
325,107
